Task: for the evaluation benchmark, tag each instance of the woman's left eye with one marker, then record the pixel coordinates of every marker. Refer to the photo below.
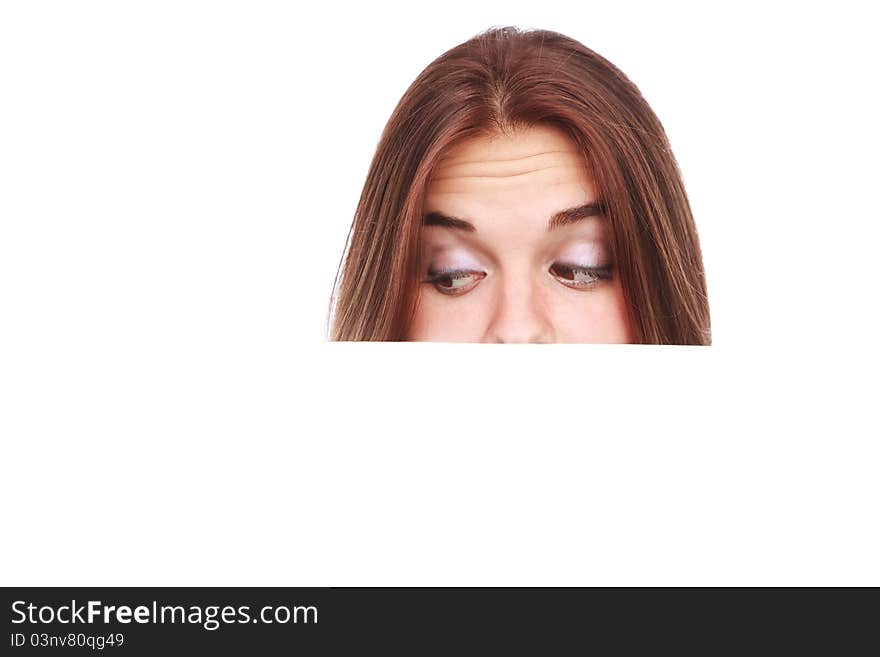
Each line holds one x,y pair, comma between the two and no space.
579,277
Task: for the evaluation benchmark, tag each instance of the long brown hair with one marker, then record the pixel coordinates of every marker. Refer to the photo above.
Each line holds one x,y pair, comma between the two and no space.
499,80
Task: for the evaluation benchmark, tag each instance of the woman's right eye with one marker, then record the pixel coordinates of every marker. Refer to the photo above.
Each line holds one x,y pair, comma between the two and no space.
454,282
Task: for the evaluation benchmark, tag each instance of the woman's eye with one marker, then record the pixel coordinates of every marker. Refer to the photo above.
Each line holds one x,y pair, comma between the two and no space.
580,277
455,282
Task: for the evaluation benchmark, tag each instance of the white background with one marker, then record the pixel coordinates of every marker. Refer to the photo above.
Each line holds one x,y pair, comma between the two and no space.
177,180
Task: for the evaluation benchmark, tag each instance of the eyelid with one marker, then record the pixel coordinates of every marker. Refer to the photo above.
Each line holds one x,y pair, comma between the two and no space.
434,276
597,273
448,271
444,241
580,265
584,254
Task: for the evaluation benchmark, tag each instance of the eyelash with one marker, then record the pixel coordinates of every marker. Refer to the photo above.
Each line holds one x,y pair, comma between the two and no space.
595,274
435,277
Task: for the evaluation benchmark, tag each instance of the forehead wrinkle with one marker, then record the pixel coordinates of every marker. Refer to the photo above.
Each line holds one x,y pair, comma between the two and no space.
452,159
506,174
507,166
537,156
532,181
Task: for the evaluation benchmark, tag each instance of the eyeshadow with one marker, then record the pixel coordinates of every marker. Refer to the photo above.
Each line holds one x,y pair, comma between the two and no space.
593,253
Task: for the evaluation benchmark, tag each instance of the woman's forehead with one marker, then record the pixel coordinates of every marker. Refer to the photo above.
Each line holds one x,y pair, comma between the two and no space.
516,144
532,161
520,178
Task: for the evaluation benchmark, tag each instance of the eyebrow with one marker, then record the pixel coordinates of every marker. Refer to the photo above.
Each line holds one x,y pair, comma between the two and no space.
561,218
